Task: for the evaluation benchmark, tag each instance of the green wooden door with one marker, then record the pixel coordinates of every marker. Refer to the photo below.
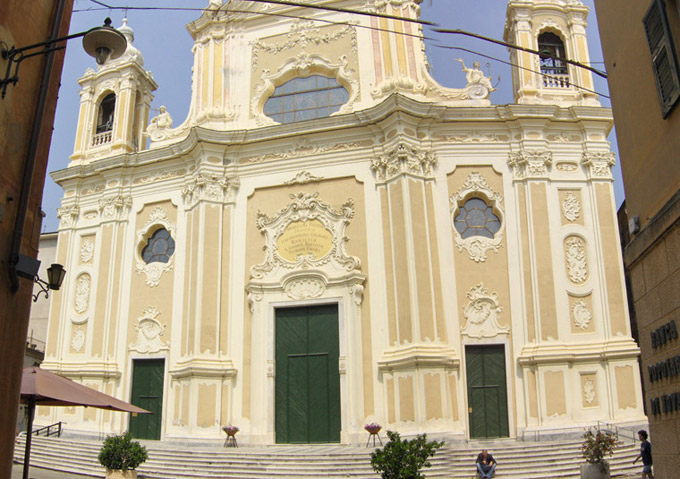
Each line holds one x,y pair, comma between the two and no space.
487,391
147,393
307,377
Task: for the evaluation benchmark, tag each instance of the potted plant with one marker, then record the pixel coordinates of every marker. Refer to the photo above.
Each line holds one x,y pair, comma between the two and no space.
120,455
596,445
403,459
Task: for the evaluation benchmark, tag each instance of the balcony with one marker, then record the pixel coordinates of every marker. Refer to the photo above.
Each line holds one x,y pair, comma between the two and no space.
101,138
556,81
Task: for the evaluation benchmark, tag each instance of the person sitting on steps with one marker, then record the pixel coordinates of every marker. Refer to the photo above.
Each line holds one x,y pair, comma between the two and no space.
486,464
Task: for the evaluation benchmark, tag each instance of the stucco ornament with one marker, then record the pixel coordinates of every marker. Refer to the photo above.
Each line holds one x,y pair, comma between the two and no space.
589,391
116,207
381,5
571,207
86,250
213,187
575,257
149,331
78,340
402,84
581,315
153,271
300,66
67,216
599,164
82,297
305,288
530,163
482,314
302,34
160,125
302,178
307,233
475,185
404,159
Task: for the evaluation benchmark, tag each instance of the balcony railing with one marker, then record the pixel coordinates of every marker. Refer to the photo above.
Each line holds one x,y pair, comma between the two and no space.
556,81
101,138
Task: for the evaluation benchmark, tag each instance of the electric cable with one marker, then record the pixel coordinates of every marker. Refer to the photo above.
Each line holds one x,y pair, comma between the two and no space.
368,27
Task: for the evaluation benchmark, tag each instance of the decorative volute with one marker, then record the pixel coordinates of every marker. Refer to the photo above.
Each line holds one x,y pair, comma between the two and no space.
114,106
244,51
558,29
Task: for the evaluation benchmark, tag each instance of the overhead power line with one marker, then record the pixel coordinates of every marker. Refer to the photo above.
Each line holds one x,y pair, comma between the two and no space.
281,2
368,27
517,47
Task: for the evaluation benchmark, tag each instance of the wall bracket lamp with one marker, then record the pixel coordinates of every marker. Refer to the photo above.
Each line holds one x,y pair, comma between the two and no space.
27,267
102,43
55,276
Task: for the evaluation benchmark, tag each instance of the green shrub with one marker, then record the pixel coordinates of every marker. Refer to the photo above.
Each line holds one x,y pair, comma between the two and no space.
122,453
403,459
596,446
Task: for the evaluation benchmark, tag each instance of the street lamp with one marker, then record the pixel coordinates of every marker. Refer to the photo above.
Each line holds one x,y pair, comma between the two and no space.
55,276
102,43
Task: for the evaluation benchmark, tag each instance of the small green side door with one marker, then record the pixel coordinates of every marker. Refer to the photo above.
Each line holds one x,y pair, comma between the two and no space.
307,376
487,391
147,393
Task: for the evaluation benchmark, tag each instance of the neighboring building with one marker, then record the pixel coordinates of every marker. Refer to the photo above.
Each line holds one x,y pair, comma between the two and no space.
37,327
641,44
414,256
26,120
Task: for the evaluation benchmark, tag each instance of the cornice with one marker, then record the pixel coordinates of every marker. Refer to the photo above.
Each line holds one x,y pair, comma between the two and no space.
560,353
199,138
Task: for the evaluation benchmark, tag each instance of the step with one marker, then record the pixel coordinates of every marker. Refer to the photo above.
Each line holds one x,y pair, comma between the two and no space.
517,460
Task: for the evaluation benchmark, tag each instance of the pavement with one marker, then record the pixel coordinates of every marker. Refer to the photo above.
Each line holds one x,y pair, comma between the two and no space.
39,473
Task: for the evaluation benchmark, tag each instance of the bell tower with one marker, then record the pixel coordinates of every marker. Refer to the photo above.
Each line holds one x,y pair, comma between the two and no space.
557,29
114,106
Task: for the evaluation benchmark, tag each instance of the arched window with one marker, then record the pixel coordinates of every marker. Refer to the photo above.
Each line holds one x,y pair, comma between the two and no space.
551,47
476,218
307,98
105,116
159,248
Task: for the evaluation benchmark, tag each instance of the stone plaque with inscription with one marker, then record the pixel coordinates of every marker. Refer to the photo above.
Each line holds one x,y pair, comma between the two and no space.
304,238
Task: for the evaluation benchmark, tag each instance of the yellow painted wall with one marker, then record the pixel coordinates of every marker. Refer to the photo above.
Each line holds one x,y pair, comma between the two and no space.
555,396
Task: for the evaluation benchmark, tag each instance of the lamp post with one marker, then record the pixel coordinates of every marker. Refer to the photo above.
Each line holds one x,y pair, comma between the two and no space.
102,43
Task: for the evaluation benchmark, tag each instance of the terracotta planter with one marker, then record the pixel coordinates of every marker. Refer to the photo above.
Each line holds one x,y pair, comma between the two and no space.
593,471
118,474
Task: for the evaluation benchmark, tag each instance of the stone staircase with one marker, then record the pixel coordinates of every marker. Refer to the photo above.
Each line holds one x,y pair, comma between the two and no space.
517,460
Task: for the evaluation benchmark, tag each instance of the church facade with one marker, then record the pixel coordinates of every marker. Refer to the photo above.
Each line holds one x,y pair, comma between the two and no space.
332,239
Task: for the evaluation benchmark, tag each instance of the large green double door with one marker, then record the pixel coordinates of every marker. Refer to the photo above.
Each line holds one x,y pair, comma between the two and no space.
307,376
147,393
487,391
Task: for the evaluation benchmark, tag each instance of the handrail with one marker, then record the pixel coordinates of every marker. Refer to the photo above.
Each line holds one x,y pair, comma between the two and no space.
629,433
48,430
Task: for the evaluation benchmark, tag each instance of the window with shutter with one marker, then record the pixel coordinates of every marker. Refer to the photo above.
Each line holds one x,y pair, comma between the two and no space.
664,60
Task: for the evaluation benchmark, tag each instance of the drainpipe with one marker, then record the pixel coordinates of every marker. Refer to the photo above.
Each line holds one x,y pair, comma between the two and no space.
29,165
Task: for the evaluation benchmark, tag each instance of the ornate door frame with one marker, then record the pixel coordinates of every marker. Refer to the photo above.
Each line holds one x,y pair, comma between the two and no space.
320,272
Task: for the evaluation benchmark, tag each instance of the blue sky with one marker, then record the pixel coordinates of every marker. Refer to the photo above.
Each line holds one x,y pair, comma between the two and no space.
162,38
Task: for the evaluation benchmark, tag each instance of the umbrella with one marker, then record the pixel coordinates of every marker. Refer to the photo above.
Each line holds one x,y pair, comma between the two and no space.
43,388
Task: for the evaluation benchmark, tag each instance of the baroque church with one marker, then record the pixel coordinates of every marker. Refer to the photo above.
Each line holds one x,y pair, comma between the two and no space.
331,238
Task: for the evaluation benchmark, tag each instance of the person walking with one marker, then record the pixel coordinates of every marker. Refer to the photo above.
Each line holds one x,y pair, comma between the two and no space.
486,464
645,454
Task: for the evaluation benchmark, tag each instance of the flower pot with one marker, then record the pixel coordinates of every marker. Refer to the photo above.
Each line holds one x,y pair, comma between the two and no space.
594,471
118,474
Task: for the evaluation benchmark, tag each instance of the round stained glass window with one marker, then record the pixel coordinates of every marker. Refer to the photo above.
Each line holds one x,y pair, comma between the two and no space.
476,218
159,248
